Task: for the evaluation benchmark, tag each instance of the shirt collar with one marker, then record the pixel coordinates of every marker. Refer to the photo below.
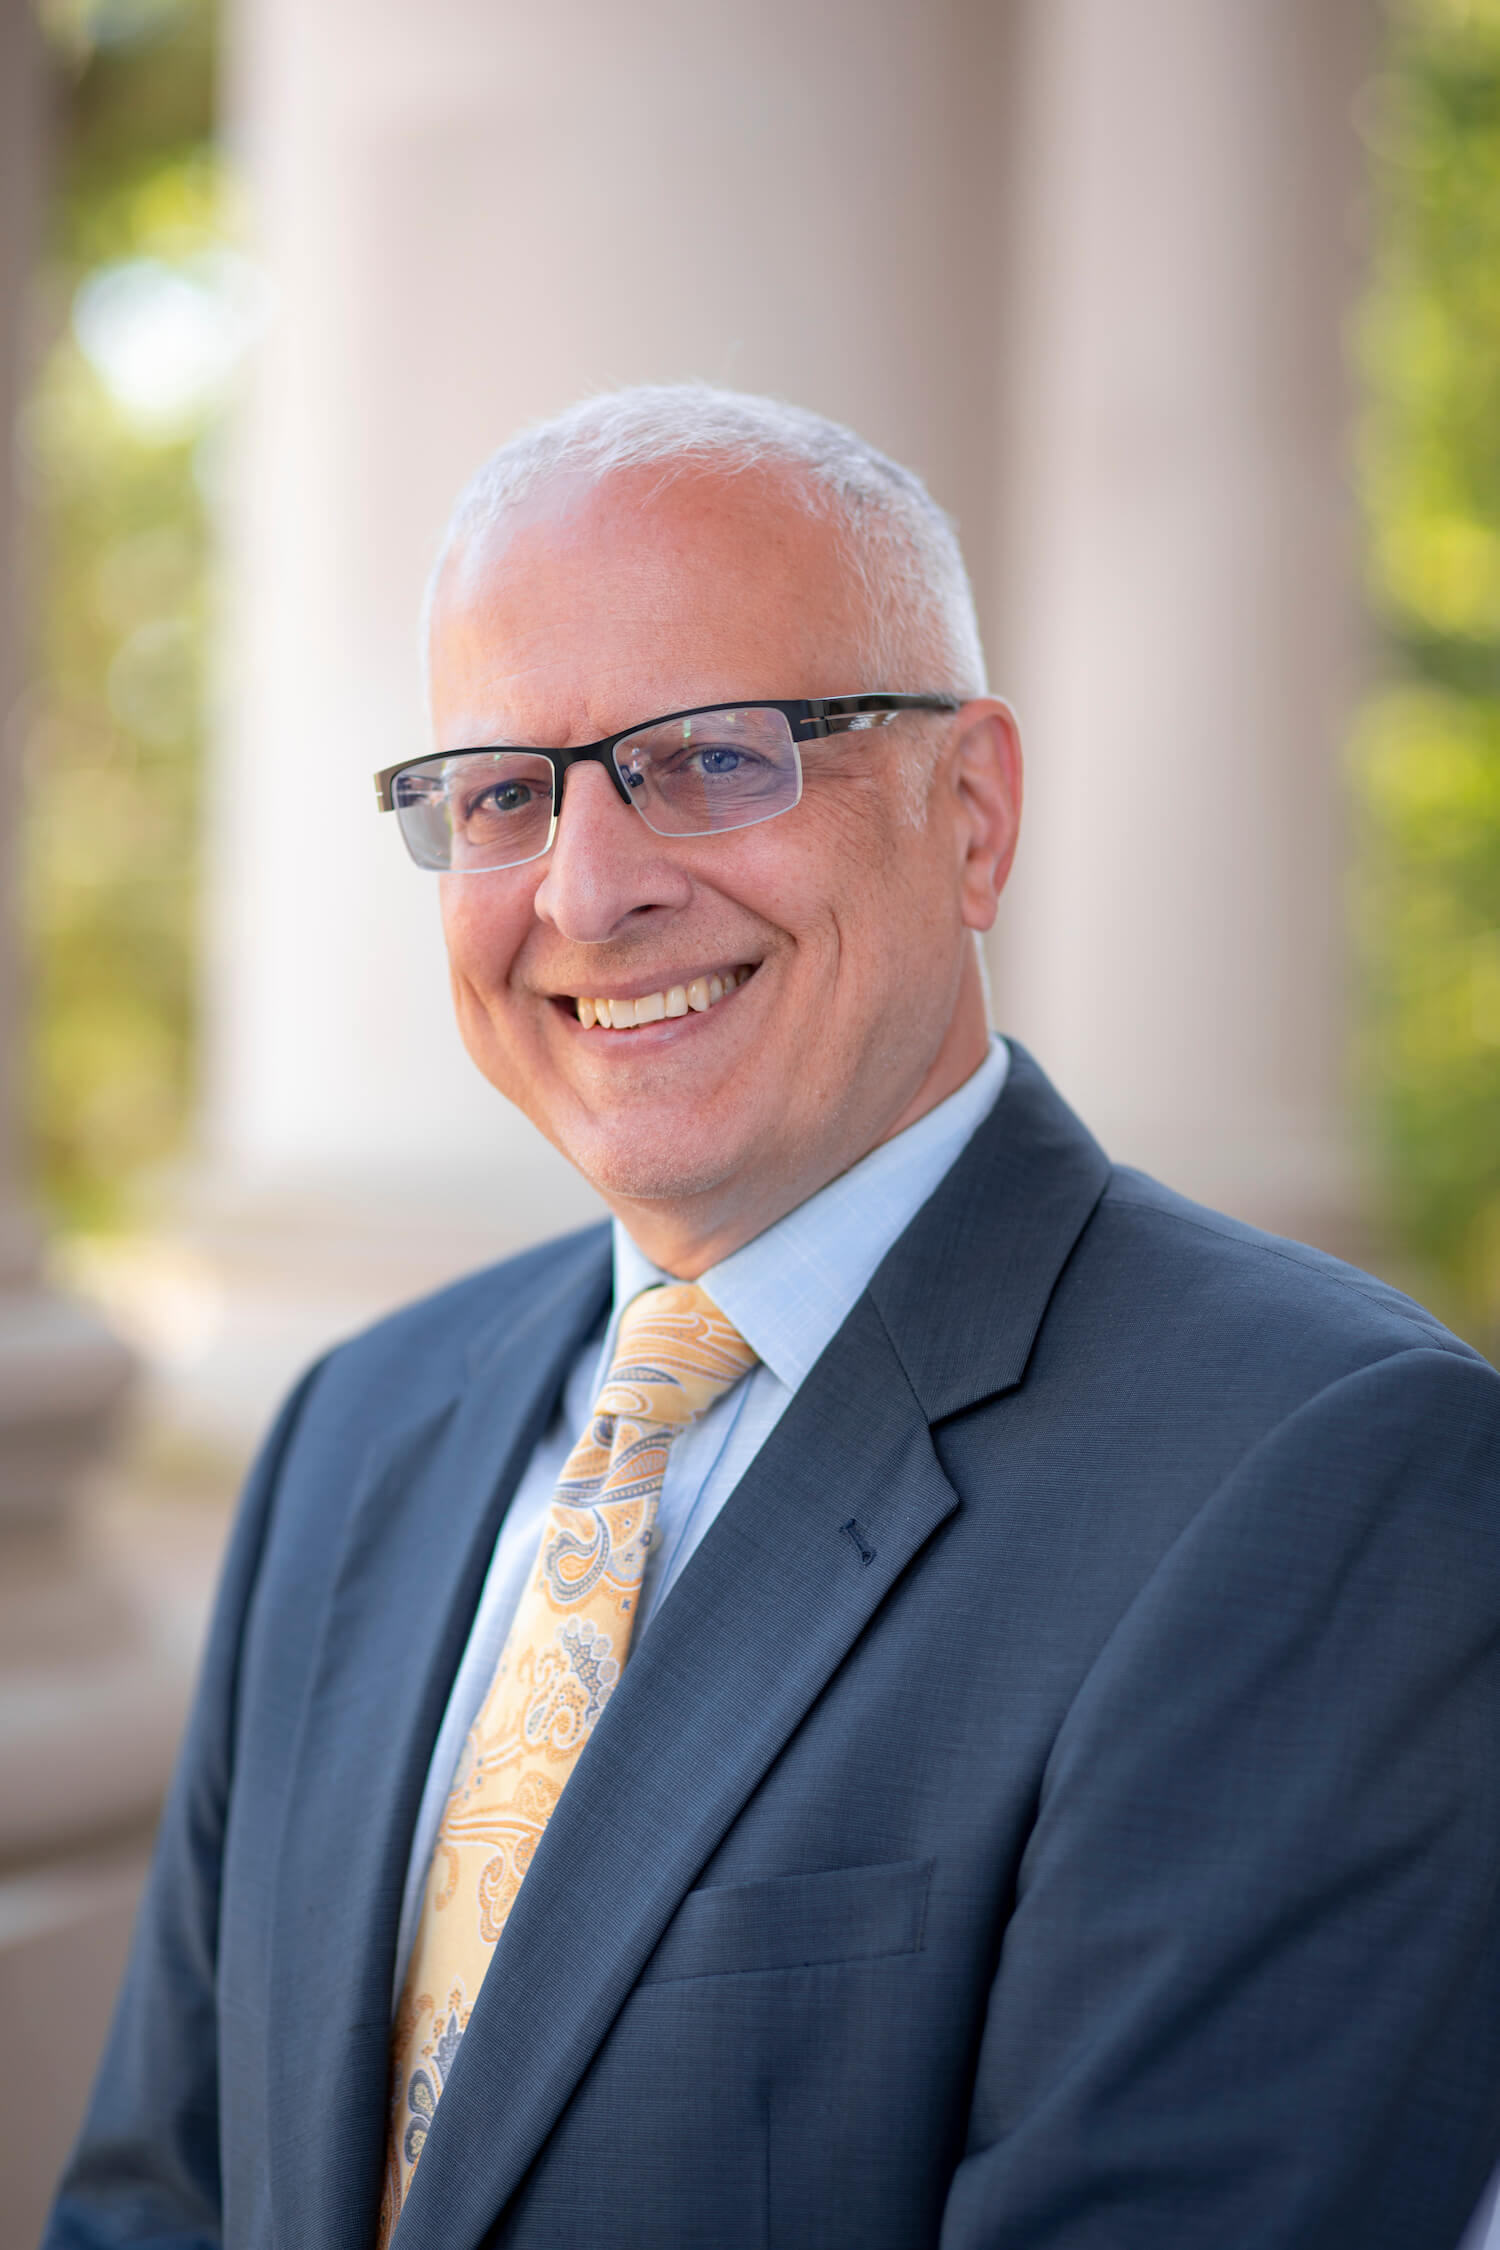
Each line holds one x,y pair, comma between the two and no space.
790,1290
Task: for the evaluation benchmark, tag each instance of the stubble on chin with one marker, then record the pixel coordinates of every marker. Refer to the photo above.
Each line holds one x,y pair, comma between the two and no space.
628,1155
638,1175
641,1158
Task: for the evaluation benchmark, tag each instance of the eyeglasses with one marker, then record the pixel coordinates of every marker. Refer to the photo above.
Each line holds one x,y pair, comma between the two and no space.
692,773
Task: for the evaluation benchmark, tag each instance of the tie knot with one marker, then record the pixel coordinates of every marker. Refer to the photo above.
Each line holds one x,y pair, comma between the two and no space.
675,1354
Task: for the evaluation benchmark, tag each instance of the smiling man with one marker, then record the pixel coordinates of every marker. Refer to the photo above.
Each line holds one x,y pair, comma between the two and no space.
922,1690
854,1002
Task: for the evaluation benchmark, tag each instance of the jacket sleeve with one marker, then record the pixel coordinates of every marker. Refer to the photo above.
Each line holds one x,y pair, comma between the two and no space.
1250,1990
146,2165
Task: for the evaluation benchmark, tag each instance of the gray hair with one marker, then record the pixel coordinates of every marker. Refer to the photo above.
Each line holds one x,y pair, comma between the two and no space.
901,547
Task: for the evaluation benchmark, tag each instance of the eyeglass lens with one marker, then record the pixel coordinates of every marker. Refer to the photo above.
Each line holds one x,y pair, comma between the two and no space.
715,769
479,809
721,769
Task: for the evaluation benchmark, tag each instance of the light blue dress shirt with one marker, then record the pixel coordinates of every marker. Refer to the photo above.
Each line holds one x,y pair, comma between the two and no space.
788,1293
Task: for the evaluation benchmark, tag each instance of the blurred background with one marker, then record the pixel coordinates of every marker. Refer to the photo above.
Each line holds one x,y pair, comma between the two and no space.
1188,311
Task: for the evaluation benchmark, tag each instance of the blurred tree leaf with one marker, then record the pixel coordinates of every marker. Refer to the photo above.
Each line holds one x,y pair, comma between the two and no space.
1426,757
115,721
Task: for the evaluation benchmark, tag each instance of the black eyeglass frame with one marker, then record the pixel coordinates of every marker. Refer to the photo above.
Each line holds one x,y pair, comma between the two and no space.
814,717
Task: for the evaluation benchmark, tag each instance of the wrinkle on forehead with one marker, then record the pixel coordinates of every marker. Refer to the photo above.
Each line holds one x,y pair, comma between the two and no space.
582,613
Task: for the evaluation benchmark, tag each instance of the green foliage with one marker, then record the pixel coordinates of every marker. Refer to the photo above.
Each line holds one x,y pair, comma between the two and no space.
115,719
1427,753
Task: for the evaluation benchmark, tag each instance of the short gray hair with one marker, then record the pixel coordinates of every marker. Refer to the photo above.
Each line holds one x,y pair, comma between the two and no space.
901,547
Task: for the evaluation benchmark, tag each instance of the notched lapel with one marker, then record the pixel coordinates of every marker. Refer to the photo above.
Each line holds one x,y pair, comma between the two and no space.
759,1621
965,1289
420,1532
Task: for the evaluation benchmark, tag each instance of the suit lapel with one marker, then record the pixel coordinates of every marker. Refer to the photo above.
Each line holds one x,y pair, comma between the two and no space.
763,1615
964,1291
420,1533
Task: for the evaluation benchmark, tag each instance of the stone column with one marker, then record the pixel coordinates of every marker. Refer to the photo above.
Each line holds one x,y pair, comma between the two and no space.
468,215
89,1705
1179,623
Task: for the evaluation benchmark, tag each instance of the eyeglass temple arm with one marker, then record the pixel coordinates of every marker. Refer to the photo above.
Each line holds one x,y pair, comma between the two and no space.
842,714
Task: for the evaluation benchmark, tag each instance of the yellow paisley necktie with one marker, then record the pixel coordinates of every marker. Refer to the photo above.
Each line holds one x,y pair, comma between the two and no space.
675,1355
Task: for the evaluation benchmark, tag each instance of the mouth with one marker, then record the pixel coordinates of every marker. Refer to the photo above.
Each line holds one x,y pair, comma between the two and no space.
627,1013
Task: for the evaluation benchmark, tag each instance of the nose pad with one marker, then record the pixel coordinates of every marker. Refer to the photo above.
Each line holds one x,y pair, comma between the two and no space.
597,758
583,803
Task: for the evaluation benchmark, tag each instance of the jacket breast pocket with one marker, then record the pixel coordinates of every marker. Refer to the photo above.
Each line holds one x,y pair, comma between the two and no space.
795,1922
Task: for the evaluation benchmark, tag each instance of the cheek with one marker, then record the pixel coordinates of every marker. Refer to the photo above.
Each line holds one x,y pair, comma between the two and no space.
823,868
878,873
484,926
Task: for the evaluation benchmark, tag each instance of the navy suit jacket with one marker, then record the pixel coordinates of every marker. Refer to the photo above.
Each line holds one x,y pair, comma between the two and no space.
1100,1849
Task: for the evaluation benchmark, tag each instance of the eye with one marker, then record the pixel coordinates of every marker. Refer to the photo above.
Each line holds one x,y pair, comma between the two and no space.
502,797
716,760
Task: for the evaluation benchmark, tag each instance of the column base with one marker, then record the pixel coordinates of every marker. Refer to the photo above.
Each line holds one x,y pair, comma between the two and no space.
63,1381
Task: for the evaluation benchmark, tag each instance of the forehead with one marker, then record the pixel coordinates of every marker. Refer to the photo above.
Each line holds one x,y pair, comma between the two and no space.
587,610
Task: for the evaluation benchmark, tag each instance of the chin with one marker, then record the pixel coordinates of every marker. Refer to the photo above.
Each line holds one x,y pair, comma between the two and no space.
632,1172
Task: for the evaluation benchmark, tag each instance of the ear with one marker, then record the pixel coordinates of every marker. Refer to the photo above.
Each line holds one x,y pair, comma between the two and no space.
985,770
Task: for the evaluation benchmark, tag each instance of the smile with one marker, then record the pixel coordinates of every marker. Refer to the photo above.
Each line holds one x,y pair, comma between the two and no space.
696,997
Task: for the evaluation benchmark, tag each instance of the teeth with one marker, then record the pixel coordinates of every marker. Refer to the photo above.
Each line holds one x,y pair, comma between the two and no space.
651,1007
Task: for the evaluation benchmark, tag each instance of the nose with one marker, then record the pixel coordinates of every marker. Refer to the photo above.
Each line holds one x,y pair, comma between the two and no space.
606,867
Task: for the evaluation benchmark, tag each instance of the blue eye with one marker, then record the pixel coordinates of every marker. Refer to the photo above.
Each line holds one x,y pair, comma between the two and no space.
504,797
719,761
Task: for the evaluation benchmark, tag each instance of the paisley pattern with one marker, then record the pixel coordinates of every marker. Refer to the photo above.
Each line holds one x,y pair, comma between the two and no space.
675,1355
431,2036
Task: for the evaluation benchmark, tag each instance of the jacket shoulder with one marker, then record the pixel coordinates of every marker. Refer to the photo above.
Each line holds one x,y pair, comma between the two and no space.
1235,1281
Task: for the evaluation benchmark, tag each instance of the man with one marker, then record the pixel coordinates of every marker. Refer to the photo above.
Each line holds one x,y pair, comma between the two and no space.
927,1692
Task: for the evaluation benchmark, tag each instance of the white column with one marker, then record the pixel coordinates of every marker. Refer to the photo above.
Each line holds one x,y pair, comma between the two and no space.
1180,629
469,214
